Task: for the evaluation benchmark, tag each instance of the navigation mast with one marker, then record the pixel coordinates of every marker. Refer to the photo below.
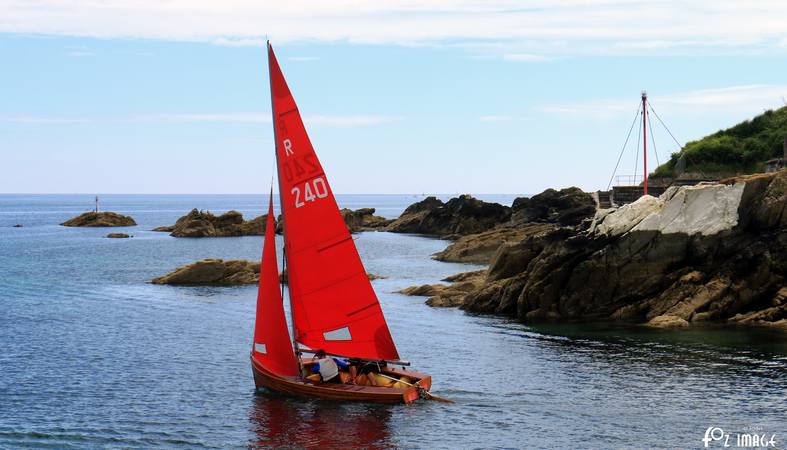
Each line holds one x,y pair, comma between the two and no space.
645,141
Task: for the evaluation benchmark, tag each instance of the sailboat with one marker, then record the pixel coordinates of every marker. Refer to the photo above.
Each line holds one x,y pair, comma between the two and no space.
332,303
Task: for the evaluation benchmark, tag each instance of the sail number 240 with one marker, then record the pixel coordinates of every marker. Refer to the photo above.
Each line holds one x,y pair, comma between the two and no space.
312,190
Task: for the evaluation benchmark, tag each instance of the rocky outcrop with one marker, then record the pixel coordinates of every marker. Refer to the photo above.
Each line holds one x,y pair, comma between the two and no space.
708,253
118,235
547,210
370,276
568,206
481,247
444,295
213,272
219,272
204,224
705,209
774,315
363,219
459,216
100,219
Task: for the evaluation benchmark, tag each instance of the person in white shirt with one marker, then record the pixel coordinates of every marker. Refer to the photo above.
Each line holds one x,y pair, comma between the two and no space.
327,368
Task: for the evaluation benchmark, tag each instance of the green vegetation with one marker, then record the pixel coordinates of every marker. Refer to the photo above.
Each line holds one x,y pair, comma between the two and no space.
741,149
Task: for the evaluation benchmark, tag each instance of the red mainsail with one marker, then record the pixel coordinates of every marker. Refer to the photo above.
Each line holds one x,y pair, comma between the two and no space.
334,305
272,346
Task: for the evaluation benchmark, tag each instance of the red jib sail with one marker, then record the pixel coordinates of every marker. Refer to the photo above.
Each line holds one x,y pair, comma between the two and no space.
272,346
334,305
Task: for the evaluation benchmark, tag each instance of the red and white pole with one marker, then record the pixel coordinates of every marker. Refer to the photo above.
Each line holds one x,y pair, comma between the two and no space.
645,139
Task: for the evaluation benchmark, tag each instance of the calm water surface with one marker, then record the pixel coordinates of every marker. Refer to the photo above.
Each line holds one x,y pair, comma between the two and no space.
93,356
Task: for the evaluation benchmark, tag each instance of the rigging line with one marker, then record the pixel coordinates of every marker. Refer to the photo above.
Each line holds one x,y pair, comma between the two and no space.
680,147
650,105
624,147
636,153
653,141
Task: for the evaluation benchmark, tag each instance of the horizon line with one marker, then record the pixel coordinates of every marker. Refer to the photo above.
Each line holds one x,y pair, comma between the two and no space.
262,193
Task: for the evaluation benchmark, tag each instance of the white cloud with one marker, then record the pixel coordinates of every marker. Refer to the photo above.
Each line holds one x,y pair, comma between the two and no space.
493,118
246,117
336,121
741,97
528,29
349,121
239,42
223,117
79,53
749,99
501,118
526,57
303,58
43,119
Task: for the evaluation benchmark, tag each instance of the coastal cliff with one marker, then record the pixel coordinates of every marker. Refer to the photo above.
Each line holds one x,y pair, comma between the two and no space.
100,219
711,253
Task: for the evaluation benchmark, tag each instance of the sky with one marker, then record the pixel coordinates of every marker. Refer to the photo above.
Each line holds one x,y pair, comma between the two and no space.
428,96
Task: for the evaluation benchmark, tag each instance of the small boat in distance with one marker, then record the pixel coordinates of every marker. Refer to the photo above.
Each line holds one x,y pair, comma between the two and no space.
333,305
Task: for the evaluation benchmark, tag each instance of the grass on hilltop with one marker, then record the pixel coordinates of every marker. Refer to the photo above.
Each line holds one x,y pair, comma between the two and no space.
741,149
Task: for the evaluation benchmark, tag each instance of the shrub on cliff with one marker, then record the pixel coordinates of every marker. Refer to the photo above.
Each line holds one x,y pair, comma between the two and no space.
740,149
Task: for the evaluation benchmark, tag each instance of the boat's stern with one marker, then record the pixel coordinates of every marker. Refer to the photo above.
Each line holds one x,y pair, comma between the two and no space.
410,395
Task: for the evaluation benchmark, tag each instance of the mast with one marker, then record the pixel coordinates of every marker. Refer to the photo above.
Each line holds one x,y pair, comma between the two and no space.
645,140
293,330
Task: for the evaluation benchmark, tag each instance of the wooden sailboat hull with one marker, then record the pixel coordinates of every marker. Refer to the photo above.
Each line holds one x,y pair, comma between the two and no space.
341,392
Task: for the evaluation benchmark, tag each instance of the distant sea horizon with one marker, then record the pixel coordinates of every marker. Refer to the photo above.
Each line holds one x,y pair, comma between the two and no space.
427,194
15,207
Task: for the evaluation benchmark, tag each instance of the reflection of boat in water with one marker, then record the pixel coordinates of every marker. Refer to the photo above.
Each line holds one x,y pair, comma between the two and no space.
334,307
279,422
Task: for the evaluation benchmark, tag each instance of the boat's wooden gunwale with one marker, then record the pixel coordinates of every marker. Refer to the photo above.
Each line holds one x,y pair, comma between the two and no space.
329,391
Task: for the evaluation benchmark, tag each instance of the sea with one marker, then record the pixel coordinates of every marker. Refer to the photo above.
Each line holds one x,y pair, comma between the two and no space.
94,356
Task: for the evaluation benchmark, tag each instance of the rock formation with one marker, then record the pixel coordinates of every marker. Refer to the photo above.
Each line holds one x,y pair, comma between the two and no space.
707,253
481,247
459,216
118,235
100,219
568,206
370,276
204,224
442,295
213,272
547,210
363,219
220,272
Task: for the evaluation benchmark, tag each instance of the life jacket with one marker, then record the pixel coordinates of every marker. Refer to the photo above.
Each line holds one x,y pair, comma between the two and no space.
328,368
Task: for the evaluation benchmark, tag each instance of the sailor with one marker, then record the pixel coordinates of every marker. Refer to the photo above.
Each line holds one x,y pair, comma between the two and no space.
327,368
